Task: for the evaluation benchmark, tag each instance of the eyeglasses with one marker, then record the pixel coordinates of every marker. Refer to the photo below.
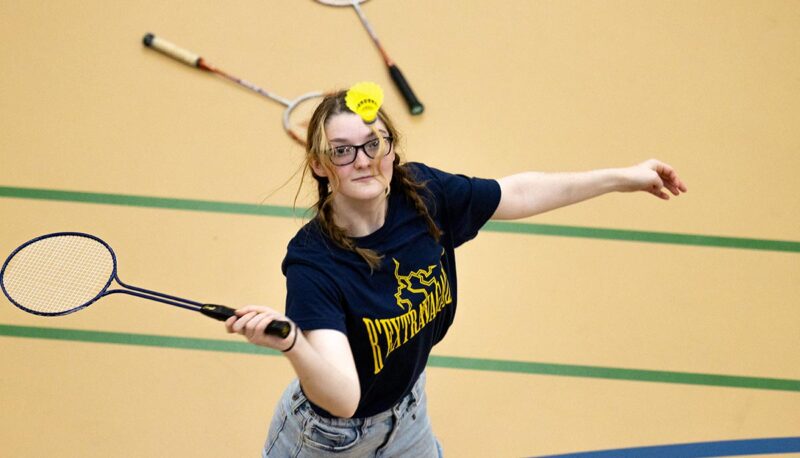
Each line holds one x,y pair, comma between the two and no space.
346,154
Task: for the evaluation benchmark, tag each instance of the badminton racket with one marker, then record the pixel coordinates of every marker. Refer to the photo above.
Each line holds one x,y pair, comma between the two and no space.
295,129
61,273
414,105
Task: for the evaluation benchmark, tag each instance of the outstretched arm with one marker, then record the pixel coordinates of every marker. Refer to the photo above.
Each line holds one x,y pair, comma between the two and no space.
531,193
321,358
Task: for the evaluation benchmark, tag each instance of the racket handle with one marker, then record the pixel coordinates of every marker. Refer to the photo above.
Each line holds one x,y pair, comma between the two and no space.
220,312
414,105
278,328
171,50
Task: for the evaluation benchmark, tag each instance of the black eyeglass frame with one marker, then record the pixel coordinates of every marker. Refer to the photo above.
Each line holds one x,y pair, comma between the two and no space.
363,147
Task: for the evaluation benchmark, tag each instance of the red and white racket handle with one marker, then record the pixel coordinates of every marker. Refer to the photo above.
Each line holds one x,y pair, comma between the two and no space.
414,105
220,312
172,50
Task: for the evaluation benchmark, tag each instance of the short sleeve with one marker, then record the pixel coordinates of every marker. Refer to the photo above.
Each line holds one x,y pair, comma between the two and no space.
312,299
467,202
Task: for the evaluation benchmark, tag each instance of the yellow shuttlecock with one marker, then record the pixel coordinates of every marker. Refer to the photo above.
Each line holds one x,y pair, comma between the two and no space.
365,99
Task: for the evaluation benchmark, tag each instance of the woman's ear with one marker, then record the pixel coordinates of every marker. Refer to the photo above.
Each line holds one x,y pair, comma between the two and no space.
318,169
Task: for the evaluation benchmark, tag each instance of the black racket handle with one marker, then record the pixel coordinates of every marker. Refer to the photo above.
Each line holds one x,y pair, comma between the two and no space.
220,312
414,104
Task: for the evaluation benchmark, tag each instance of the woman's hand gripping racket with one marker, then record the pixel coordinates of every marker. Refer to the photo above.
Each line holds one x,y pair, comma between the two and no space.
64,272
293,119
414,105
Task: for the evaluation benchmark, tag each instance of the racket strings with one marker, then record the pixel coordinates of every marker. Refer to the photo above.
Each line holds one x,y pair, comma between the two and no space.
57,274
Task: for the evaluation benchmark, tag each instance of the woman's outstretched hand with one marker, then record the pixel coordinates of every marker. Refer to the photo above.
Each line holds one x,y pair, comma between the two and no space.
653,176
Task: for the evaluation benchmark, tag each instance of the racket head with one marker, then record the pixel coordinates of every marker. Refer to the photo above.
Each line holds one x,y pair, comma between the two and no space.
58,273
338,2
297,115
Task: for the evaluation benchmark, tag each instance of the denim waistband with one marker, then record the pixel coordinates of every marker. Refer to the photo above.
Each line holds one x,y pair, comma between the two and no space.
299,402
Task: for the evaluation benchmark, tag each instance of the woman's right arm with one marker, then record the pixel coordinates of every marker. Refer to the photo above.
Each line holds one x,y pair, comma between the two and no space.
321,358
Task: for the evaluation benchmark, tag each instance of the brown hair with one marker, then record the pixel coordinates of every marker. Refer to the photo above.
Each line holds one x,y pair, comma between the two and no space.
317,150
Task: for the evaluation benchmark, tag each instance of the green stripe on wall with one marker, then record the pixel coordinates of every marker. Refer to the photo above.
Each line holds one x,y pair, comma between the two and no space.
642,236
493,226
450,362
149,202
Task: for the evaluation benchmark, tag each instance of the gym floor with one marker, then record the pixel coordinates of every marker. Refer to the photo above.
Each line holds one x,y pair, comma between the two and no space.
621,322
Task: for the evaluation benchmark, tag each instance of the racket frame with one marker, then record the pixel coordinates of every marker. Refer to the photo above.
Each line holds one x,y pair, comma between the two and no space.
47,236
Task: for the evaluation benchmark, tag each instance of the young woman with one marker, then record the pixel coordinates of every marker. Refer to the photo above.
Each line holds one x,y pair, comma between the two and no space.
372,285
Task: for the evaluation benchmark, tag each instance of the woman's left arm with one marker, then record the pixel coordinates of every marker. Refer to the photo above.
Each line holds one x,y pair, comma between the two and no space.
531,193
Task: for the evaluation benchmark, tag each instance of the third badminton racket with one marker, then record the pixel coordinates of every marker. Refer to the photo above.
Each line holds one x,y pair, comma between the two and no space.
414,105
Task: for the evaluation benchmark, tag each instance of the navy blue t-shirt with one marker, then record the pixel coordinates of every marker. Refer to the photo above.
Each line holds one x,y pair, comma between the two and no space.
394,315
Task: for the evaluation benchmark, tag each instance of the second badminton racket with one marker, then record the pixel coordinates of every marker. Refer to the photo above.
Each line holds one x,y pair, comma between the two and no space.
296,130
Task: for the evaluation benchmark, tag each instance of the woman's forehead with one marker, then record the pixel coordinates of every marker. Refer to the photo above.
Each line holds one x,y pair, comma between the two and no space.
350,127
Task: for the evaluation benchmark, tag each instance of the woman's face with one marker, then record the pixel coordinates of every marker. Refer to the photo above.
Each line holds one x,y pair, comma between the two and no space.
361,180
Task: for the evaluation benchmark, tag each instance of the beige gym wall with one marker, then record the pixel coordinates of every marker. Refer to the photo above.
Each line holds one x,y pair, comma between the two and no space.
92,118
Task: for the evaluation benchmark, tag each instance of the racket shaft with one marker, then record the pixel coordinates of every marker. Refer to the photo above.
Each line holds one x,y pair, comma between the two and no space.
220,312
371,32
248,85
194,60
414,104
172,50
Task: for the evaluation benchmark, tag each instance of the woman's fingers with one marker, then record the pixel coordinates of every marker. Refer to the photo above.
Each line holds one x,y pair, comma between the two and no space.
252,322
241,322
252,308
670,178
256,326
229,324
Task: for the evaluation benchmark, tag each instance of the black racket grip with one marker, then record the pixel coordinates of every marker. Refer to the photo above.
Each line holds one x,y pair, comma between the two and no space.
414,105
220,312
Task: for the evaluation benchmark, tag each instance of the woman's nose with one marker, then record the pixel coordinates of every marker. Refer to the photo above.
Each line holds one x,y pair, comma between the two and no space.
362,160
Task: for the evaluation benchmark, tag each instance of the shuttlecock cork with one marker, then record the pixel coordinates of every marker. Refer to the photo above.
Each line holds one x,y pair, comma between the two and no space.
365,99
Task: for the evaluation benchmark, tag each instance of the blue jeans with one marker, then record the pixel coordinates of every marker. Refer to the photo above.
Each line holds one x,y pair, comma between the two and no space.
404,430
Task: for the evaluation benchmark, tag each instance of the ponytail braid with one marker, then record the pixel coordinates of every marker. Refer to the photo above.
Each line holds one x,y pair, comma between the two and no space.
411,189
